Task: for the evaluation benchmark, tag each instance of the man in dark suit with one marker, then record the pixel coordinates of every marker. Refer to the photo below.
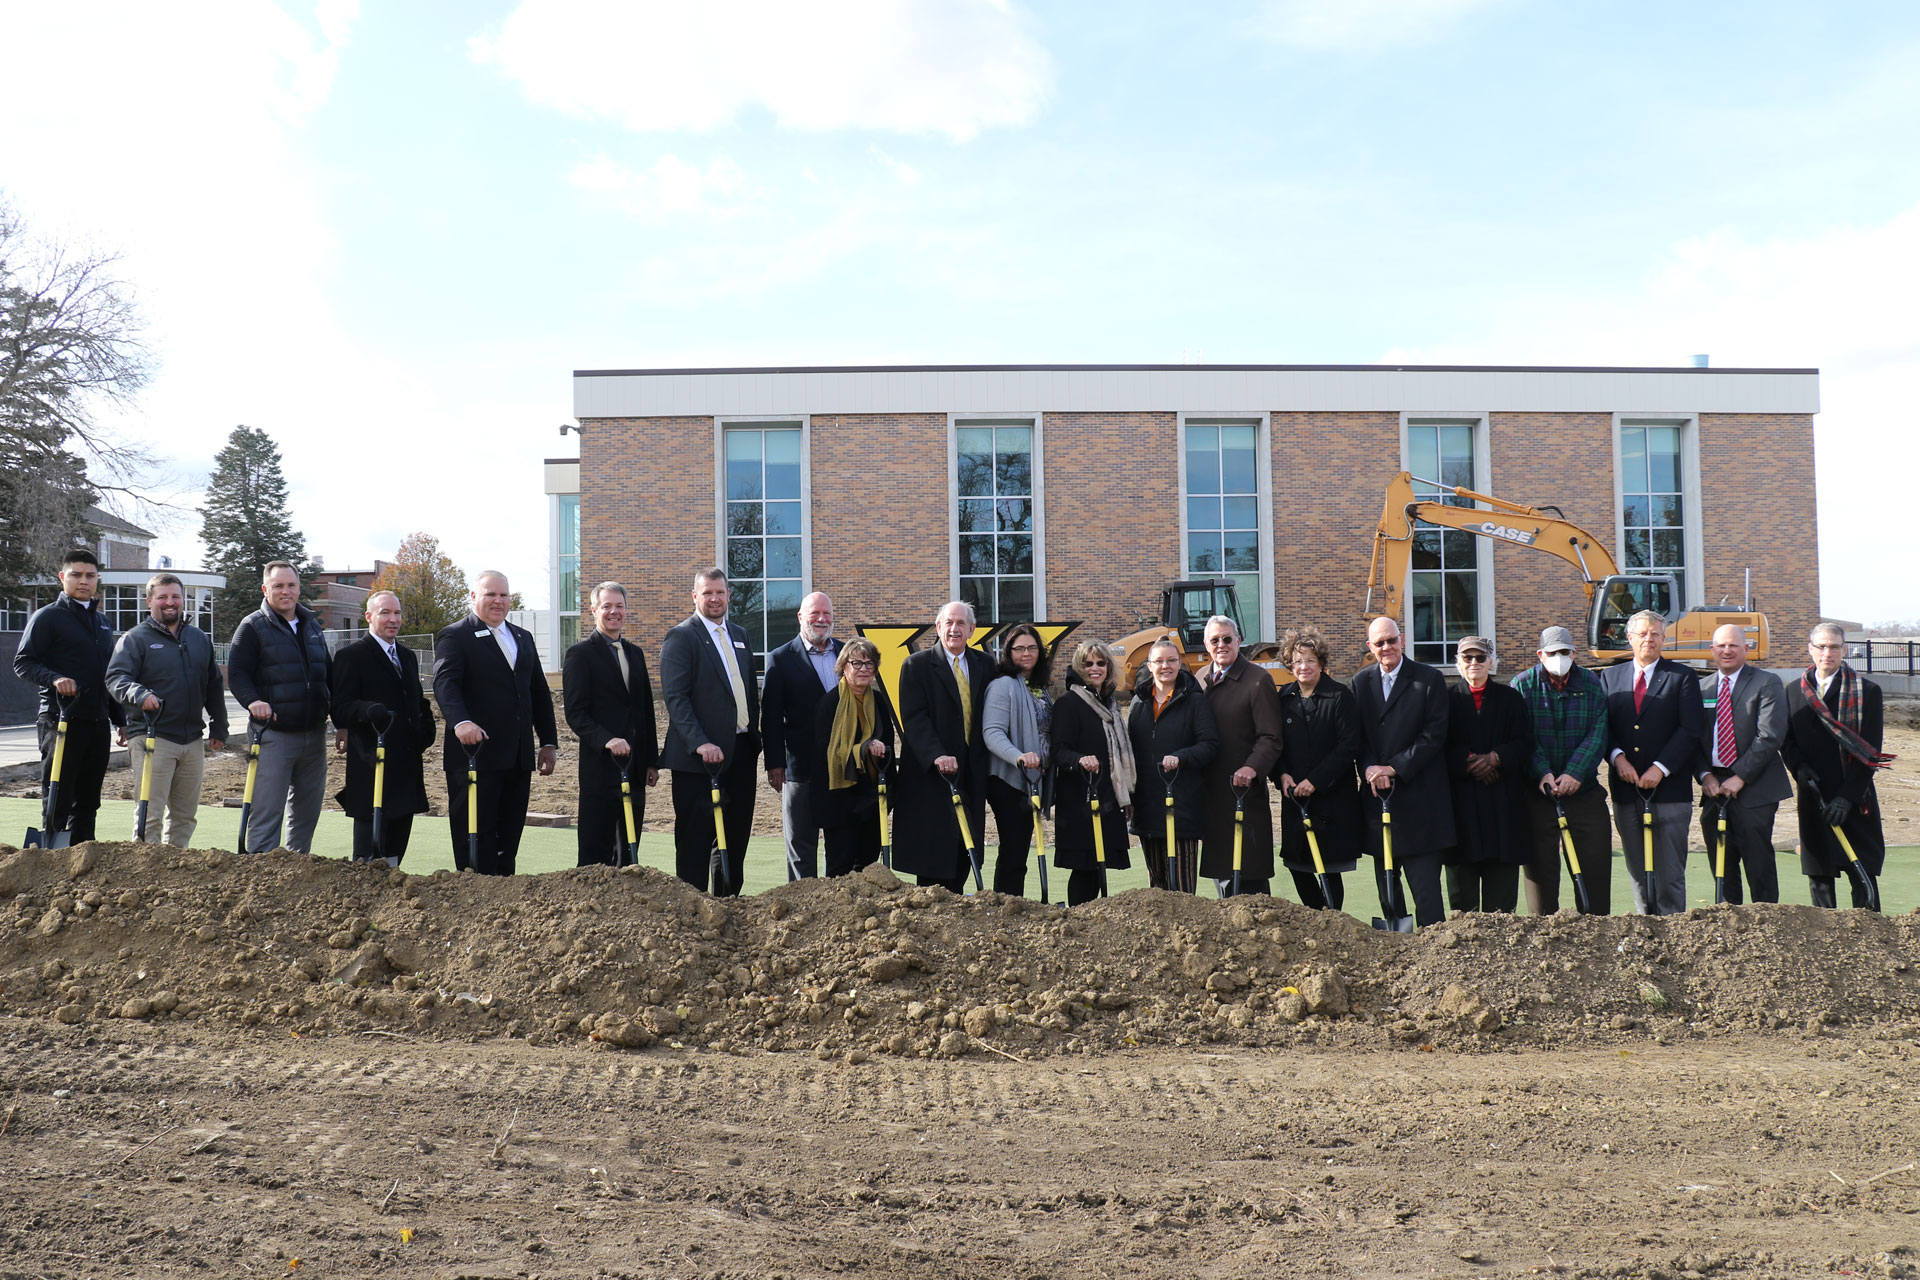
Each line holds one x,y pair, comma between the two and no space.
609,705
713,722
1835,722
376,682
1246,712
798,673
1741,735
943,702
494,698
1653,737
1403,712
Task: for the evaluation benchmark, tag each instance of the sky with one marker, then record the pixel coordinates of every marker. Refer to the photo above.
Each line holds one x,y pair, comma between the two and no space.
388,233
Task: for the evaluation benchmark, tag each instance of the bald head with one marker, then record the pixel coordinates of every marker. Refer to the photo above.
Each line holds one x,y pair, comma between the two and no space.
1729,648
1383,642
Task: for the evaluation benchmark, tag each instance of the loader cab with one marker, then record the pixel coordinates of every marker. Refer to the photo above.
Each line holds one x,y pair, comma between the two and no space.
1623,595
1186,606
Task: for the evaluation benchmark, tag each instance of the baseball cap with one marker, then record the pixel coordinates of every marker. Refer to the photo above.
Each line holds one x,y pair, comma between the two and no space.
1555,638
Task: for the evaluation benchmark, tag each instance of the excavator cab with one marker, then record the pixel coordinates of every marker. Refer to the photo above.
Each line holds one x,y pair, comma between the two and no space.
1186,606
1621,596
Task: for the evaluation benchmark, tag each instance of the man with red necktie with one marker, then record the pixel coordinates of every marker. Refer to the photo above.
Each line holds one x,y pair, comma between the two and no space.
1746,723
1653,741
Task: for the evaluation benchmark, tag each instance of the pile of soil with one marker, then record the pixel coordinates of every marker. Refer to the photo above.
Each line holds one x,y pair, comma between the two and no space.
866,966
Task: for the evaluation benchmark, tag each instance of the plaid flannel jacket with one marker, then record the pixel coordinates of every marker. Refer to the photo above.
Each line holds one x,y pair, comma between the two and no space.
1570,727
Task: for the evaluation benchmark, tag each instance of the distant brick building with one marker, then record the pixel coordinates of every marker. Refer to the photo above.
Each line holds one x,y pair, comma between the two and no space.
1076,492
341,598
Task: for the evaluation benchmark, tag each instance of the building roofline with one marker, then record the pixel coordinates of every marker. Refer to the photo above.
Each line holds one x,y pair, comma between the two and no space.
1174,368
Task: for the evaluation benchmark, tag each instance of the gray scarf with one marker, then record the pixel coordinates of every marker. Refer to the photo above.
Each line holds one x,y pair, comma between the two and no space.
1119,747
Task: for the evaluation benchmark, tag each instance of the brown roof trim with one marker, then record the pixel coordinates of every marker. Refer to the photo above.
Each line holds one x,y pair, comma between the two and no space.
1191,368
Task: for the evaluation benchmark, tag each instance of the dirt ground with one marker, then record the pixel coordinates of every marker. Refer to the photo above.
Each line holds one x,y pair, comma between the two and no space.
226,774
275,1065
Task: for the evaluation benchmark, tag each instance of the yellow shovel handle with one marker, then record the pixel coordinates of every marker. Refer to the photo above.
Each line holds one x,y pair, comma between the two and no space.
1566,841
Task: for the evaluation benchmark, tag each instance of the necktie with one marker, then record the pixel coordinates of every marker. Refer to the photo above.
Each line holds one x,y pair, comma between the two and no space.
393,656
1386,686
733,678
620,655
1723,724
1639,691
966,696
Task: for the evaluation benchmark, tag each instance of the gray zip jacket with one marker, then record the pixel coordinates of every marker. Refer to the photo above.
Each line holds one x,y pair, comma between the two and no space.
1011,729
180,671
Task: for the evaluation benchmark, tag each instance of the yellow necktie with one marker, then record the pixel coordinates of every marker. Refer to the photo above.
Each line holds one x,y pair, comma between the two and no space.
966,696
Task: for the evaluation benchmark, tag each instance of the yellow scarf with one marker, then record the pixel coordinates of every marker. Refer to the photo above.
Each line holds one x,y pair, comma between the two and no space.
847,756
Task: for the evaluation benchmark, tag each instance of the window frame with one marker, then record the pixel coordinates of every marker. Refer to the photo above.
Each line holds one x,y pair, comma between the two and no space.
760,422
1263,611
1692,541
564,608
1037,423
1480,421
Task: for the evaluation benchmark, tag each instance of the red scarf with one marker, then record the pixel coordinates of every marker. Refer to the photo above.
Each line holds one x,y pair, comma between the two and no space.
1846,727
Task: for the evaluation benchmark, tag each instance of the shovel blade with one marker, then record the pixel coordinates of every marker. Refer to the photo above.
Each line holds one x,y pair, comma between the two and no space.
1580,895
1394,924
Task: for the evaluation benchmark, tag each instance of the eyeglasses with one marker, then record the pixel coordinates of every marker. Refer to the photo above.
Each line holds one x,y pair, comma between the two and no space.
1024,648
1827,648
1391,642
1214,640
857,664
1473,657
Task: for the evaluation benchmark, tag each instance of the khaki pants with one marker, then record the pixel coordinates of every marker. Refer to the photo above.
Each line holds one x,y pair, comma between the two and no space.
177,770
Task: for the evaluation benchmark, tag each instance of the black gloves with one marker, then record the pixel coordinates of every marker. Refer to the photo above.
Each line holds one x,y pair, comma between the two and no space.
1809,779
1835,810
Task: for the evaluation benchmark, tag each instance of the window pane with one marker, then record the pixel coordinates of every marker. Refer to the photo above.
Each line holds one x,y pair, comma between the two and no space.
1252,624
1242,552
1633,460
783,518
973,439
1016,552
975,473
1458,549
747,610
743,478
976,554
744,558
1013,460
783,596
976,515
1666,548
1423,452
1239,513
1015,515
1203,460
1462,595
1016,600
569,524
1666,511
1236,460
783,558
1424,591
1634,510
1637,547
743,520
1663,465
1203,552
743,445
1203,513
978,592
1426,549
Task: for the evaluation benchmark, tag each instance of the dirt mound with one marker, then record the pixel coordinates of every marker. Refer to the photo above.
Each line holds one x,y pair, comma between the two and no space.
865,965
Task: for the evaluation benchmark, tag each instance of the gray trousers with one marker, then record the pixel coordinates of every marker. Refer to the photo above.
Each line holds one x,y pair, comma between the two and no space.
178,768
802,832
1671,822
291,782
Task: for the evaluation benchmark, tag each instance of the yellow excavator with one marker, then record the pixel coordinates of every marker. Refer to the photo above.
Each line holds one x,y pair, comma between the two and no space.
1612,596
1184,610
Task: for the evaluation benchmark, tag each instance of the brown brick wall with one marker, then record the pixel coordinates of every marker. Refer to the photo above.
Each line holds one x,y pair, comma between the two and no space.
1757,511
646,516
881,516
1113,519
1546,459
1329,470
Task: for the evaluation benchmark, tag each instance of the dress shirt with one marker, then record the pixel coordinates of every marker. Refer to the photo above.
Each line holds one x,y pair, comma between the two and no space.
822,660
1386,680
503,636
1641,674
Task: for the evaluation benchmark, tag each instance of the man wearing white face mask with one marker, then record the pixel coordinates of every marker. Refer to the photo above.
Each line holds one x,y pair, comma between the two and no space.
1569,714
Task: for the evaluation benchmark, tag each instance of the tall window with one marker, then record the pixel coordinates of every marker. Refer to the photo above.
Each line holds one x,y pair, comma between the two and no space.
202,602
1653,518
566,578
1223,509
123,607
993,461
763,531
1445,583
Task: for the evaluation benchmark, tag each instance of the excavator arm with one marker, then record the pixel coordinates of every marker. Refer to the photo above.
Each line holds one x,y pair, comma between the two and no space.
1540,528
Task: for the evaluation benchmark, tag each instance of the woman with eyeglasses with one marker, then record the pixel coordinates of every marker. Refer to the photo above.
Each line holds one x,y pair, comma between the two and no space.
1317,781
1174,740
1018,716
1093,757
1489,753
853,738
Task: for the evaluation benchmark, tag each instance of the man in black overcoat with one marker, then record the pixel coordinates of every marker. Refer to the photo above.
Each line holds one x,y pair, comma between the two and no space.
713,722
1835,722
376,681
1403,715
609,706
942,701
494,697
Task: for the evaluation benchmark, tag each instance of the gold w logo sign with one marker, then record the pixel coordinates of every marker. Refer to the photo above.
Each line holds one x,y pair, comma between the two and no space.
896,642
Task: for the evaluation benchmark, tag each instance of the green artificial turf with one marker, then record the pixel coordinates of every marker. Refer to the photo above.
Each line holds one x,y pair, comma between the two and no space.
553,849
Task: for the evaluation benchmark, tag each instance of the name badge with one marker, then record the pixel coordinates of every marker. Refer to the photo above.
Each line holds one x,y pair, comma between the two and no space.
483,633
738,645
156,645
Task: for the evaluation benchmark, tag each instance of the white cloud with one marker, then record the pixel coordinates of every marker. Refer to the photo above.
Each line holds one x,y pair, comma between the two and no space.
906,173
671,186
1839,301
952,67
1359,26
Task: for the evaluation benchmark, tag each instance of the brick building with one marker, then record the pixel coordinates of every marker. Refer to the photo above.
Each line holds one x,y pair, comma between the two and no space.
340,599
1077,492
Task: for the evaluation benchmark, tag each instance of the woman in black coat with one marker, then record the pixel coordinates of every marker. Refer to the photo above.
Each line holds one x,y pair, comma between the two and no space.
1489,754
1318,750
1171,721
1090,741
845,783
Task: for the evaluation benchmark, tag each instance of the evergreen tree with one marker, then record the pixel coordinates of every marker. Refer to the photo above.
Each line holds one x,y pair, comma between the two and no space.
431,587
244,523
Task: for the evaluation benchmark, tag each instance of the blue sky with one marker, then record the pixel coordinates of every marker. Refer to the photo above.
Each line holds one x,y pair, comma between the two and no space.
377,229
